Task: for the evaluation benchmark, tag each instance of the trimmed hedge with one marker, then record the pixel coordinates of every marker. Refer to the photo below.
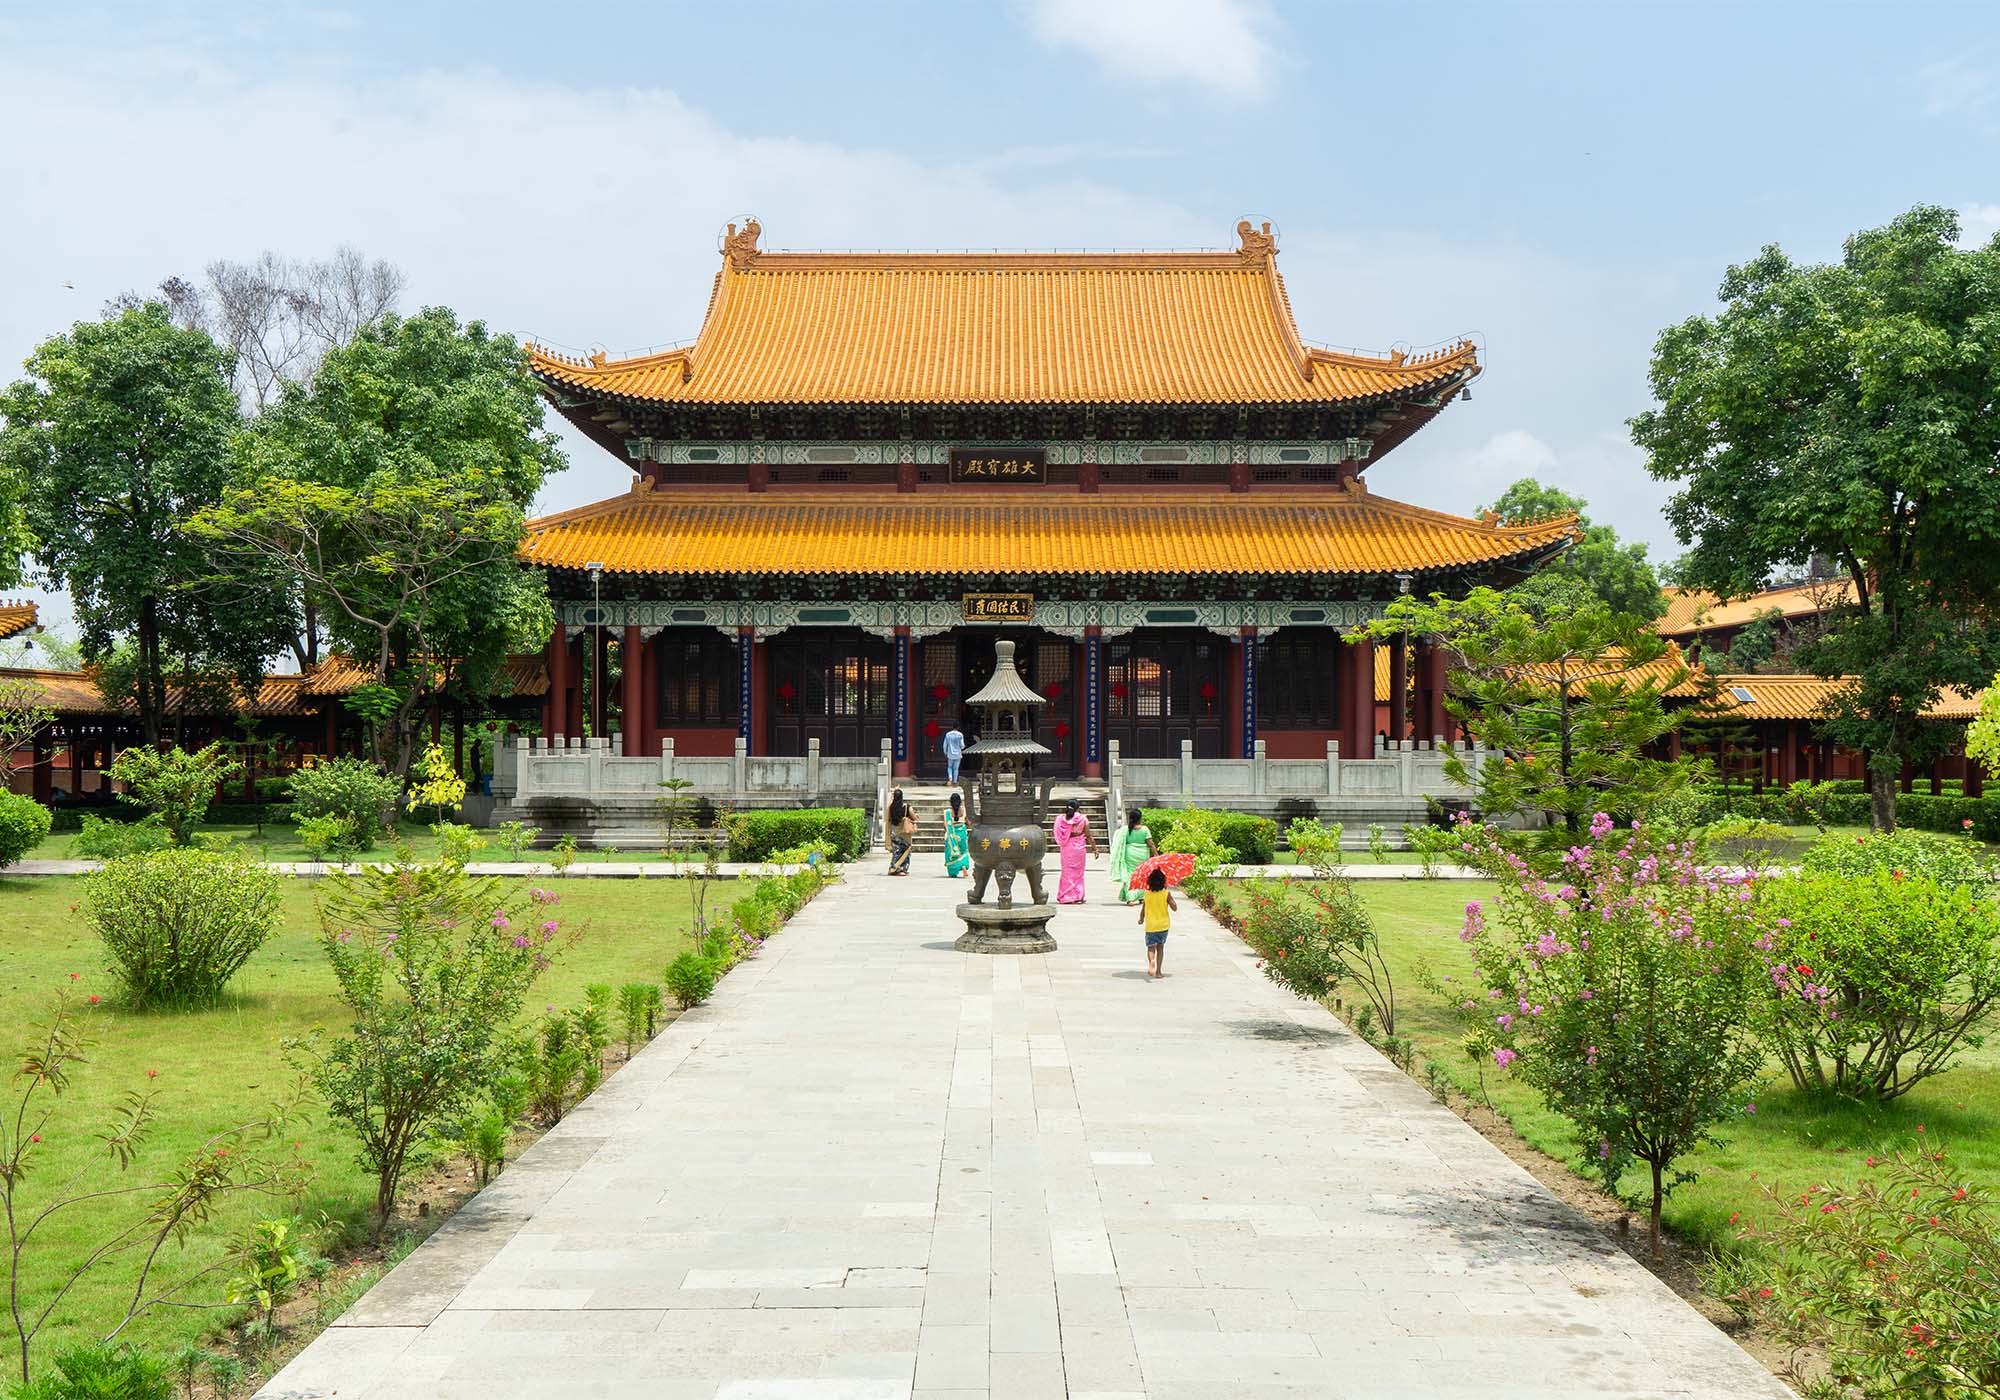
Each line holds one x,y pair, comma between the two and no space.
1949,814
24,823
1946,812
1249,840
69,817
754,835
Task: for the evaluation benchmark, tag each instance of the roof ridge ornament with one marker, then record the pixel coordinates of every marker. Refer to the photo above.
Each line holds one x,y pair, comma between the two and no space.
741,248
1253,245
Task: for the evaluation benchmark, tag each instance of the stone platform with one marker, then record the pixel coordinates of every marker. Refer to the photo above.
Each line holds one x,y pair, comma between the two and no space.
990,929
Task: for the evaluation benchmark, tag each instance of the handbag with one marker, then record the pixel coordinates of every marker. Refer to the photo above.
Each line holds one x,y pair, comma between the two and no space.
909,826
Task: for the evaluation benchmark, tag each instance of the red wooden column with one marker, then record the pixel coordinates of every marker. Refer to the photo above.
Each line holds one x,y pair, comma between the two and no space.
1399,688
555,706
1432,719
1356,673
649,694
1975,778
631,723
573,695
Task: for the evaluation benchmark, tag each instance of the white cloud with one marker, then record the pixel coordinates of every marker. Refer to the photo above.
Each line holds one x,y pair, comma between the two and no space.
580,217
1977,223
1218,43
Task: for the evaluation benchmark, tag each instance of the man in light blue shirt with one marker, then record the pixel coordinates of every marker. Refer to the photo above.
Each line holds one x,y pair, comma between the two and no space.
953,745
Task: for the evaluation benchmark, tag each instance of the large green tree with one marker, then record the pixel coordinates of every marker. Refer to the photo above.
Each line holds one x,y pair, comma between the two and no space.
1596,568
1851,409
392,491
121,433
1574,699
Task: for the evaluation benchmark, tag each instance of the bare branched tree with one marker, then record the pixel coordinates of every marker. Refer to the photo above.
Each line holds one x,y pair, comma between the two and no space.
279,315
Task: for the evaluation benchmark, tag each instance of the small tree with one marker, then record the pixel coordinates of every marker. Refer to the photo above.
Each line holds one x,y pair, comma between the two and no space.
175,783
131,1223
433,969
1573,698
1624,992
1597,567
180,923
24,713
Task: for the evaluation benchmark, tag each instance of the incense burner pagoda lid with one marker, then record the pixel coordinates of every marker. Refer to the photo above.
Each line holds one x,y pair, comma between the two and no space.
1006,686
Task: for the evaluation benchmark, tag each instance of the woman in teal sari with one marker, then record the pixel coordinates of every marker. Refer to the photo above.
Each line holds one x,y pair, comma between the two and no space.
957,847
1129,849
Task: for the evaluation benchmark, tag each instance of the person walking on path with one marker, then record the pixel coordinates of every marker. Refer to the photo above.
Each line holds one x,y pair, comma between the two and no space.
1073,835
953,745
900,831
1155,913
1131,846
957,845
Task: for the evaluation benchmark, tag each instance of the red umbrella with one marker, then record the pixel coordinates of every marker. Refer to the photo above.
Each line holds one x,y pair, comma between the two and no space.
1178,865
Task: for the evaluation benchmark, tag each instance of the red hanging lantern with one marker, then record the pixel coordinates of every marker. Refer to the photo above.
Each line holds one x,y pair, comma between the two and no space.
931,730
1208,690
785,691
1062,729
940,692
1055,689
1117,691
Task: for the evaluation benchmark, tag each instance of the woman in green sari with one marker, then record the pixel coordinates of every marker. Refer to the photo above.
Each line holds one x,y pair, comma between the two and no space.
957,847
1129,849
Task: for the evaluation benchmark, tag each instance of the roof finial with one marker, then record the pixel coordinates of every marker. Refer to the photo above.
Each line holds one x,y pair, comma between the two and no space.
741,248
1252,244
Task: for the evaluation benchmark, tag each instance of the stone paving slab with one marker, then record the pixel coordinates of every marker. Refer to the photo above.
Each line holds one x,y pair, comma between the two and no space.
874,1168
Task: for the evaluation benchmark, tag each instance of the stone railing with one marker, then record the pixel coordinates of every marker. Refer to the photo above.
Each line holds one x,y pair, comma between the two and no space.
1395,778
590,771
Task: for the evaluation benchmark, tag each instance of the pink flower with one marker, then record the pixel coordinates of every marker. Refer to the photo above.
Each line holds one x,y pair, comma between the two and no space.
1749,1108
1504,1057
500,921
520,940
549,926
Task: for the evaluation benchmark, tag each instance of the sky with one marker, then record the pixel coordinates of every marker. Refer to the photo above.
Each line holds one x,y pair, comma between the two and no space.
1558,180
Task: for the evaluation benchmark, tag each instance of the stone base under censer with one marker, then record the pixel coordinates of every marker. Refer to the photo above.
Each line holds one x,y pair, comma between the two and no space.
991,929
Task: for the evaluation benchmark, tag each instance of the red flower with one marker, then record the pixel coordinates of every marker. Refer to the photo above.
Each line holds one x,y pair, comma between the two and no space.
1804,971
94,1000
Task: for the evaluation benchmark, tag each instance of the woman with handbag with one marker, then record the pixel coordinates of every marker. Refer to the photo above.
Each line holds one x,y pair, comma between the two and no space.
901,829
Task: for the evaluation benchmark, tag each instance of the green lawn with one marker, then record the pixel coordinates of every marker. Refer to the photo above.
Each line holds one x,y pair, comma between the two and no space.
217,1067
279,841
1793,1140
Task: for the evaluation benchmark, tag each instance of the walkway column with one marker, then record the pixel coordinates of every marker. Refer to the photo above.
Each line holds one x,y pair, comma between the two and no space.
555,710
1975,777
631,666
899,699
1093,702
746,690
1249,692
1355,671
1399,688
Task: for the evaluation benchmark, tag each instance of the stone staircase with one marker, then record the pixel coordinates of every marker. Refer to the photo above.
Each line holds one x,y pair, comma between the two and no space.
932,803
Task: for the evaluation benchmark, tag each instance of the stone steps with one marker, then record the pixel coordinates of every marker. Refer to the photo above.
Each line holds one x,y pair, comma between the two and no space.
933,803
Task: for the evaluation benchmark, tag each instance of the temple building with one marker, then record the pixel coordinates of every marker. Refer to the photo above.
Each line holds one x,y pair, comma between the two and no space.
867,467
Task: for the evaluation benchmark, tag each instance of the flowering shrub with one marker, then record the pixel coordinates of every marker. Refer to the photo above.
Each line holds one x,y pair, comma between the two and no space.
1877,981
1937,858
354,788
1622,989
180,922
433,964
1896,1276
1312,936
1198,832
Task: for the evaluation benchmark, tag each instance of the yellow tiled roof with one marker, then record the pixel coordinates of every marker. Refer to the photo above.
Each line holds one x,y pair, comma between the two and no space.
1794,696
16,618
655,532
76,692
865,328
1692,610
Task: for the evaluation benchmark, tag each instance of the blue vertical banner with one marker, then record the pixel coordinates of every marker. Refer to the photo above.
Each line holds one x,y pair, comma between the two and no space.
744,641
1249,694
899,691
1093,727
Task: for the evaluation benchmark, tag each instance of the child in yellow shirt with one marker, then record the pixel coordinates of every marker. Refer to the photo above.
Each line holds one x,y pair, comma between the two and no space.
1153,915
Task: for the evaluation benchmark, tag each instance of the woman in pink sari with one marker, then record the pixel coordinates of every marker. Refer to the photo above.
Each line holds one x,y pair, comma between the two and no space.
1073,838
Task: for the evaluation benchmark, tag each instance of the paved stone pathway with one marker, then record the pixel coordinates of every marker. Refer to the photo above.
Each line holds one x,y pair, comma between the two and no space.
874,1168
